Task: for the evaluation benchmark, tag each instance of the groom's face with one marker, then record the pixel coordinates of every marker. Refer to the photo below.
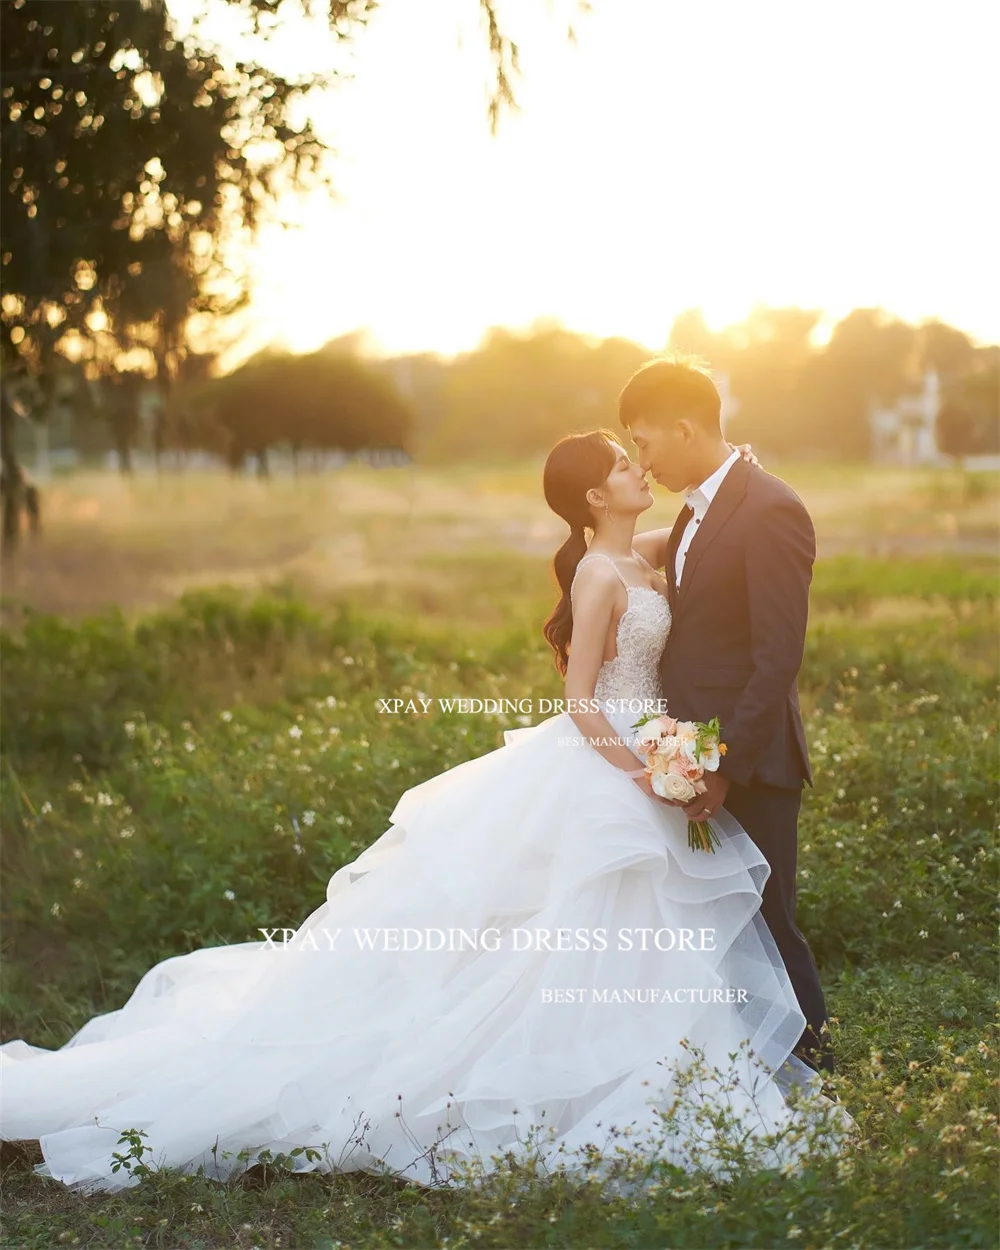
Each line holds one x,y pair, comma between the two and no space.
665,451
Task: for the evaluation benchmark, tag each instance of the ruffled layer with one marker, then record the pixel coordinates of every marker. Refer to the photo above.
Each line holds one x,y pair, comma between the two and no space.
415,1060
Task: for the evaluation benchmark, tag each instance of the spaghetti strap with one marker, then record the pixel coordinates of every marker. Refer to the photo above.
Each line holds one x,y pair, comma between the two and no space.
644,560
600,555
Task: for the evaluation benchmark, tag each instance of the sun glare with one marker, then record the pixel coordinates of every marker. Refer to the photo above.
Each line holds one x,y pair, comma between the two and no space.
790,162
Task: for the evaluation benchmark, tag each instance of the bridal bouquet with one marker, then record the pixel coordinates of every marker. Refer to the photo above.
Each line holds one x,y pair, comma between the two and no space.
677,756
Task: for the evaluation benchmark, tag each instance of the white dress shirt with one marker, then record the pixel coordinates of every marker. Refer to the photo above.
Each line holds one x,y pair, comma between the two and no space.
698,501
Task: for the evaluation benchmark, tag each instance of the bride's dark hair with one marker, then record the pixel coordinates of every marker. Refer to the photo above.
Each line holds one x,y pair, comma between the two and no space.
577,463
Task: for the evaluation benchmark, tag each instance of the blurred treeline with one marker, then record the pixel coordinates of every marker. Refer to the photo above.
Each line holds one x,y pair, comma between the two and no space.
519,391
138,162
802,397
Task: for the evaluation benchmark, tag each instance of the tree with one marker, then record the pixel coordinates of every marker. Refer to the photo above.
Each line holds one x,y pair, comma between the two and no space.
767,357
944,349
871,358
519,392
132,160
326,400
968,421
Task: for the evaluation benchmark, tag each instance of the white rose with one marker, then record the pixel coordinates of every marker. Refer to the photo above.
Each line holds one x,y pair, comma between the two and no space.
673,786
686,730
668,748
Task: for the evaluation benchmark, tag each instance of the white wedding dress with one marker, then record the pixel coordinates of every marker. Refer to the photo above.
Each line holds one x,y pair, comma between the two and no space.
418,1061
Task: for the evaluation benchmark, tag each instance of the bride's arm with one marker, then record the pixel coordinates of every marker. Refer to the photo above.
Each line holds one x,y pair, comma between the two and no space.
593,599
652,546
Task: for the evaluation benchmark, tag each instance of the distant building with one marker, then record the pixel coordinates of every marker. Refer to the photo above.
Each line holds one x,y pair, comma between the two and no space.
904,433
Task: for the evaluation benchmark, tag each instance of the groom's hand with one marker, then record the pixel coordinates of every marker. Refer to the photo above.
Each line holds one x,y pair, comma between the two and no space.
746,451
705,805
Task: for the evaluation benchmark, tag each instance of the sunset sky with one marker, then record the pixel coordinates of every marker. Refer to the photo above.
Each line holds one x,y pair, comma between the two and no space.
711,153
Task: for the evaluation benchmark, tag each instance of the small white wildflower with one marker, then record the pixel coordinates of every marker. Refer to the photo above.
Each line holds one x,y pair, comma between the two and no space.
188,745
897,903
922,933
394,764
77,853
126,831
839,845
340,819
229,894
104,800
298,848
961,916
46,808
54,909
130,728
309,818
295,732
334,730
277,829
331,701
227,716
77,883
348,659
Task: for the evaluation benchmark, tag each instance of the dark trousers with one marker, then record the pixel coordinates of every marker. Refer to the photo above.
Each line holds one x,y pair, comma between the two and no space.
770,816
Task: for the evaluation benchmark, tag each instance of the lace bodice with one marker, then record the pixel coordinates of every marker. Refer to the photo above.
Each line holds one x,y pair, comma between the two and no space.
634,673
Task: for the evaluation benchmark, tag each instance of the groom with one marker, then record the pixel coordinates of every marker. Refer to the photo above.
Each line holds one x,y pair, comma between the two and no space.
738,564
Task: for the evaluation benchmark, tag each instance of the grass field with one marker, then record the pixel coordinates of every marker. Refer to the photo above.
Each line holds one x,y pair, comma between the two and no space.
391,537
149,773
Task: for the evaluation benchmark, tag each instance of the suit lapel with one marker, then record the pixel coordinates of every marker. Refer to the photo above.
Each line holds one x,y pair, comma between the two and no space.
722,507
680,525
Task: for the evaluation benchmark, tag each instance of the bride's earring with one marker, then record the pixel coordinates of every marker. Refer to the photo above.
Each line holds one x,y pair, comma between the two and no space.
607,510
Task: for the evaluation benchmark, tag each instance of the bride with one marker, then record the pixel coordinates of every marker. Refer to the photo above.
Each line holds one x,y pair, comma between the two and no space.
531,961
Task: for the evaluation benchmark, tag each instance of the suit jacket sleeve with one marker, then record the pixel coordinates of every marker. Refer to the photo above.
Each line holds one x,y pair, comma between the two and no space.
780,553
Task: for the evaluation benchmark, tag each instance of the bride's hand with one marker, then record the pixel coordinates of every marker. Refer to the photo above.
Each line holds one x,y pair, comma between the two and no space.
746,451
646,787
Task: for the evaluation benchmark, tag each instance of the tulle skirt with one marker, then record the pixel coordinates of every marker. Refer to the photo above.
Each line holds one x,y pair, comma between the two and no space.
529,961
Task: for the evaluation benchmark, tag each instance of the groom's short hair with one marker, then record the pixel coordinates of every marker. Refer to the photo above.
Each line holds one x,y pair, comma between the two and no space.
670,387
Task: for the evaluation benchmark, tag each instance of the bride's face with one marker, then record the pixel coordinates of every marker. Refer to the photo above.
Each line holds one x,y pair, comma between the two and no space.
625,489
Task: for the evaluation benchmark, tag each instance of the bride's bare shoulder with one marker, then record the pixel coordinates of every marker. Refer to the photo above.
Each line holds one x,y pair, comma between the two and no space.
595,580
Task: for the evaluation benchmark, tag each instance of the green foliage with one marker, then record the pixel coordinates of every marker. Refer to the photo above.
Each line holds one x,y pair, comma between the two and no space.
327,399
131,152
798,397
221,760
968,422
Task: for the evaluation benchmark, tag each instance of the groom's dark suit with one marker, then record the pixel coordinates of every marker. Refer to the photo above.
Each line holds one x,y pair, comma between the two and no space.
734,650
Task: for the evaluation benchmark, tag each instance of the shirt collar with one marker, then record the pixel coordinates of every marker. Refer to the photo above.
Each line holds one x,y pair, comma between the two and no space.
701,496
